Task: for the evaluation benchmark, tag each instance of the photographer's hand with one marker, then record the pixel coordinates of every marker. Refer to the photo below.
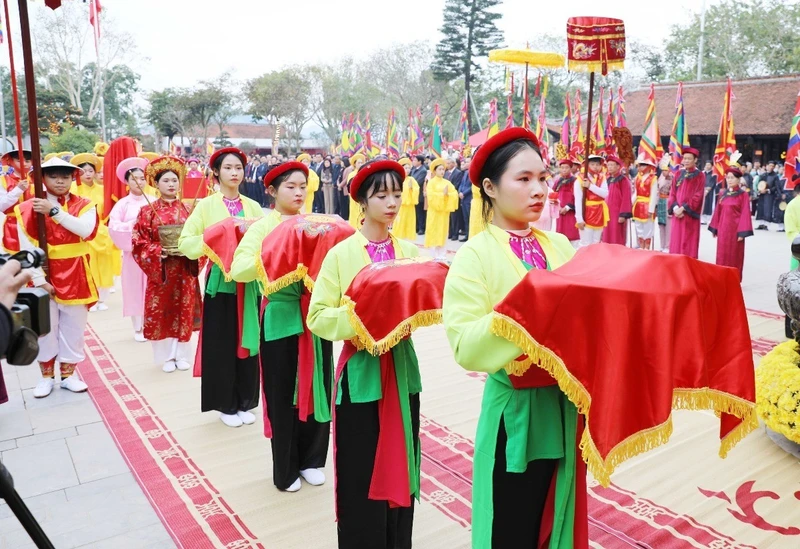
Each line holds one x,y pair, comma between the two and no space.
12,278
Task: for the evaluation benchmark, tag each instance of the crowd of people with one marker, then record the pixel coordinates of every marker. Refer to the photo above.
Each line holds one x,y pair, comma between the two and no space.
506,205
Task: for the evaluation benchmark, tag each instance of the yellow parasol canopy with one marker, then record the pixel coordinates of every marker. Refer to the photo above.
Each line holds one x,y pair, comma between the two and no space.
533,59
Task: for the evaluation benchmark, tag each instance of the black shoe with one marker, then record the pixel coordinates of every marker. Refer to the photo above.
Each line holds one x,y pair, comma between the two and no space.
761,228
462,239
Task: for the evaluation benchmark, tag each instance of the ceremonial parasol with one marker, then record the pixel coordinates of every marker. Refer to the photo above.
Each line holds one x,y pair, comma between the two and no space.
528,58
594,44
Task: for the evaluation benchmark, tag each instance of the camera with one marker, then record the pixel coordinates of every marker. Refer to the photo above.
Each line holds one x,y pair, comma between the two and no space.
30,313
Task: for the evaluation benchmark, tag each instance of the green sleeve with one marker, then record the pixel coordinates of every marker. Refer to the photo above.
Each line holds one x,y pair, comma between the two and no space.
190,243
326,317
248,252
467,311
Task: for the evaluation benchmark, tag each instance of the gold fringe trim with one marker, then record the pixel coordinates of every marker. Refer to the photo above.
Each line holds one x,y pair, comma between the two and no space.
212,255
594,66
643,441
365,341
300,273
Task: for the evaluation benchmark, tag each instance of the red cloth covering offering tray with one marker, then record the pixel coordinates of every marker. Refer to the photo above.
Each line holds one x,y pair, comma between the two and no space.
390,299
194,188
295,249
629,335
221,239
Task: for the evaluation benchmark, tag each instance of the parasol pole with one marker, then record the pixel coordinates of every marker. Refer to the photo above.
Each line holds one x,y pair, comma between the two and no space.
33,117
14,92
587,144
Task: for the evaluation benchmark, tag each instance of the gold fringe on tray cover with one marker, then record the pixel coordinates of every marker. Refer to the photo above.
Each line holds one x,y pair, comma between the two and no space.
643,441
300,273
365,341
212,255
595,66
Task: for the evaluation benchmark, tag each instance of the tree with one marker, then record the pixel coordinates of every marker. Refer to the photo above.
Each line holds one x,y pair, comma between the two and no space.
63,44
72,139
248,147
470,31
282,97
167,113
742,39
204,104
222,141
121,88
338,89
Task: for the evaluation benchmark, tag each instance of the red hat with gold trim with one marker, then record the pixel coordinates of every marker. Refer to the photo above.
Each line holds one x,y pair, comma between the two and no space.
164,164
614,158
492,144
228,150
373,167
566,161
281,169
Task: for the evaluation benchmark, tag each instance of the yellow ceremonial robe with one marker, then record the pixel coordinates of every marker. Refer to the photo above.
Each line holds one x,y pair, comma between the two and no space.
405,225
313,186
105,259
439,207
476,223
355,216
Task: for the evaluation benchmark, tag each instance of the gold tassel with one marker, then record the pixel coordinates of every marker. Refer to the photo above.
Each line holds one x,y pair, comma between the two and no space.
400,332
212,255
286,280
643,441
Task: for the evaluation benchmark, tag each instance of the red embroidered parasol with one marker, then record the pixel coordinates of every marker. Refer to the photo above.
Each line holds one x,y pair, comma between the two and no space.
295,249
627,350
594,43
414,288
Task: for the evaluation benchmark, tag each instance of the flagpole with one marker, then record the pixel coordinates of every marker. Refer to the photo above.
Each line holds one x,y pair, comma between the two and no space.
702,41
96,30
3,116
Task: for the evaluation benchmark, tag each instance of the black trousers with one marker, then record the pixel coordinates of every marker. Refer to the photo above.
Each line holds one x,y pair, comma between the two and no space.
466,206
344,205
455,223
228,384
365,523
296,445
319,200
421,214
519,499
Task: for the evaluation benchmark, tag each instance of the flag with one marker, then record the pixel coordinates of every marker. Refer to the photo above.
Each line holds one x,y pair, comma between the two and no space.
94,20
419,145
493,126
650,145
679,138
392,142
621,119
463,125
611,147
412,131
209,147
726,138
436,133
793,149
598,129
173,149
510,110
541,126
357,135
526,110
345,141
566,125
368,147
578,134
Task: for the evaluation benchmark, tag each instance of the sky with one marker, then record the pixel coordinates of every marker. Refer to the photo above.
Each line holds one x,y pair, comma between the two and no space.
183,41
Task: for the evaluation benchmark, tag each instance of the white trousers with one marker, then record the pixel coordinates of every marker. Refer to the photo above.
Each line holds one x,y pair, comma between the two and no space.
439,252
138,323
645,229
170,349
102,294
65,340
590,236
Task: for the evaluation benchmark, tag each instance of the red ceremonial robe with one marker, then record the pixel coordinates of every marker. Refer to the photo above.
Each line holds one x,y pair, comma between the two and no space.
10,236
565,224
730,222
173,305
686,192
619,205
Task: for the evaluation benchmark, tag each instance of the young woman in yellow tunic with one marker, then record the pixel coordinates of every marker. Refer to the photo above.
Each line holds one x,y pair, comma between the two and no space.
356,215
526,438
102,249
405,226
364,521
313,183
442,200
